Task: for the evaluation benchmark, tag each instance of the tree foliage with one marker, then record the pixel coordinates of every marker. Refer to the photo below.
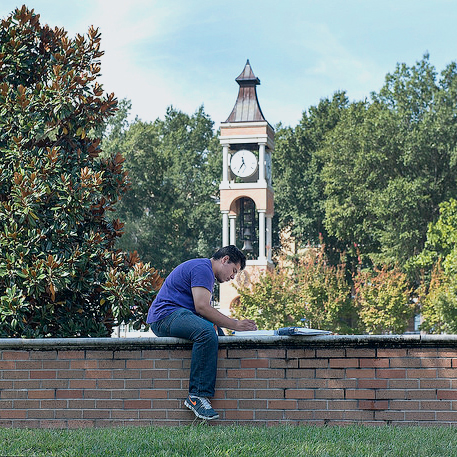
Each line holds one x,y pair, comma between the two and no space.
174,165
391,162
438,263
306,287
383,300
59,272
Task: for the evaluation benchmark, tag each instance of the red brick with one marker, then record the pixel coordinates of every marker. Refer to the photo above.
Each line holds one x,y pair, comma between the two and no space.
299,393
436,384
241,353
423,352
41,394
300,353
422,394
413,405
313,363
69,355
96,414
390,373
253,383
13,414
298,415
360,393
83,364
48,374
81,404
405,362
111,383
69,394
282,383
311,383
359,353
436,362
300,373
420,415
342,383
15,355
137,404
373,404
414,373
372,383
329,393
450,416
447,395
102,355
374,363
254,363
246,374
438,405
330,353
98,374
284,363
154,393
271,353
403,383
239,415
387,394
360,373
344,363
391,353
42,355
389,415
109,404
252,404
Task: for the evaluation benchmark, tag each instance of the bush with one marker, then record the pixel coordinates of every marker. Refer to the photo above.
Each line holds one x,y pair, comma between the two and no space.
304,288
59,272
383,300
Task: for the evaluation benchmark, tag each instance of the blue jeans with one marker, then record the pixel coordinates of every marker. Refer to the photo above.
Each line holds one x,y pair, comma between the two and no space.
182,323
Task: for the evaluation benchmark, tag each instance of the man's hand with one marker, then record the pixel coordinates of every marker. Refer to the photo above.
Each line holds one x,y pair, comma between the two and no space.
245,325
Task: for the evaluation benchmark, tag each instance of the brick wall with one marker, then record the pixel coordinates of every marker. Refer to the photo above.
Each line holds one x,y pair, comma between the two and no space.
265,380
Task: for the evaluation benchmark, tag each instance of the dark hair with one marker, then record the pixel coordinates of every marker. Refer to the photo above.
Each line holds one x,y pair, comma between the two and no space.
235,255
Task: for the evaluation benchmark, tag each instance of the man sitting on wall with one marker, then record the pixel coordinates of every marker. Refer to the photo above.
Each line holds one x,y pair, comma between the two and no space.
183,309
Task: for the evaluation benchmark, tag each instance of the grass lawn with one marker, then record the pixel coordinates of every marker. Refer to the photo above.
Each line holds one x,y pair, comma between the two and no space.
202,440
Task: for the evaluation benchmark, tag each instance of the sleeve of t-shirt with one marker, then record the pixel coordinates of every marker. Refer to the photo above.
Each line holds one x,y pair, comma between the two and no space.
202,276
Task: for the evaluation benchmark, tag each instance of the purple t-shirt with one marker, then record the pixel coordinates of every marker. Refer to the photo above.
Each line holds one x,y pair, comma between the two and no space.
176,291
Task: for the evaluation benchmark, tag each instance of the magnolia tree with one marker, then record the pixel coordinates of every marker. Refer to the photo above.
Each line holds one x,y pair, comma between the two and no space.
59,272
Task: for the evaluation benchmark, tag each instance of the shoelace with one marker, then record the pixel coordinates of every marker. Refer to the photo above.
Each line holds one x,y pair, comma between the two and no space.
206,403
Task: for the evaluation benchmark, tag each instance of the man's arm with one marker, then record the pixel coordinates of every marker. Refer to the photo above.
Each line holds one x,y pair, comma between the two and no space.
202,302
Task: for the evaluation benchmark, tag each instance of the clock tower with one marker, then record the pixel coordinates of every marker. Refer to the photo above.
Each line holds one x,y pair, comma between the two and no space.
246,193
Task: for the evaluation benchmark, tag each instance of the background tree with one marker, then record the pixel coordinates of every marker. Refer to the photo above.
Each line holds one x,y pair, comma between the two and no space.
390,163
305,287
59,272
383,300
299,191
174,165
438,264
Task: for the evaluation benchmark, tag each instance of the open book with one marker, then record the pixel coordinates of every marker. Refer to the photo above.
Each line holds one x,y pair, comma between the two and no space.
286,331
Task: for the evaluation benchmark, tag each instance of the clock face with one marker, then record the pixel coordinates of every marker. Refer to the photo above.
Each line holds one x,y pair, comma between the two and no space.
243,163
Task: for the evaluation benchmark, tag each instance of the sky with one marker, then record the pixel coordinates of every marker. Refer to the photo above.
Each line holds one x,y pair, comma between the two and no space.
187,53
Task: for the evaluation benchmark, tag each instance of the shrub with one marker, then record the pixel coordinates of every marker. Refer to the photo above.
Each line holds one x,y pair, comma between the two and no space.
59,272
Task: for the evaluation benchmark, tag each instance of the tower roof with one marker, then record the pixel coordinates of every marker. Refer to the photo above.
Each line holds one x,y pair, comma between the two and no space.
247,106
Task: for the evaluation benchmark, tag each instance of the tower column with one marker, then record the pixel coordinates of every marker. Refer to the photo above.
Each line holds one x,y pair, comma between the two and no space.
269,237
232,219
262,234
262,162
225,161
225,228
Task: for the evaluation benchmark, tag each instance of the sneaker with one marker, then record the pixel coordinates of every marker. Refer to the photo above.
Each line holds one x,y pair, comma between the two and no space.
201,407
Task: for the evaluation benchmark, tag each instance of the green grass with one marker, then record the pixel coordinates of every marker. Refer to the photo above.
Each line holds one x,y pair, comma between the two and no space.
206,441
